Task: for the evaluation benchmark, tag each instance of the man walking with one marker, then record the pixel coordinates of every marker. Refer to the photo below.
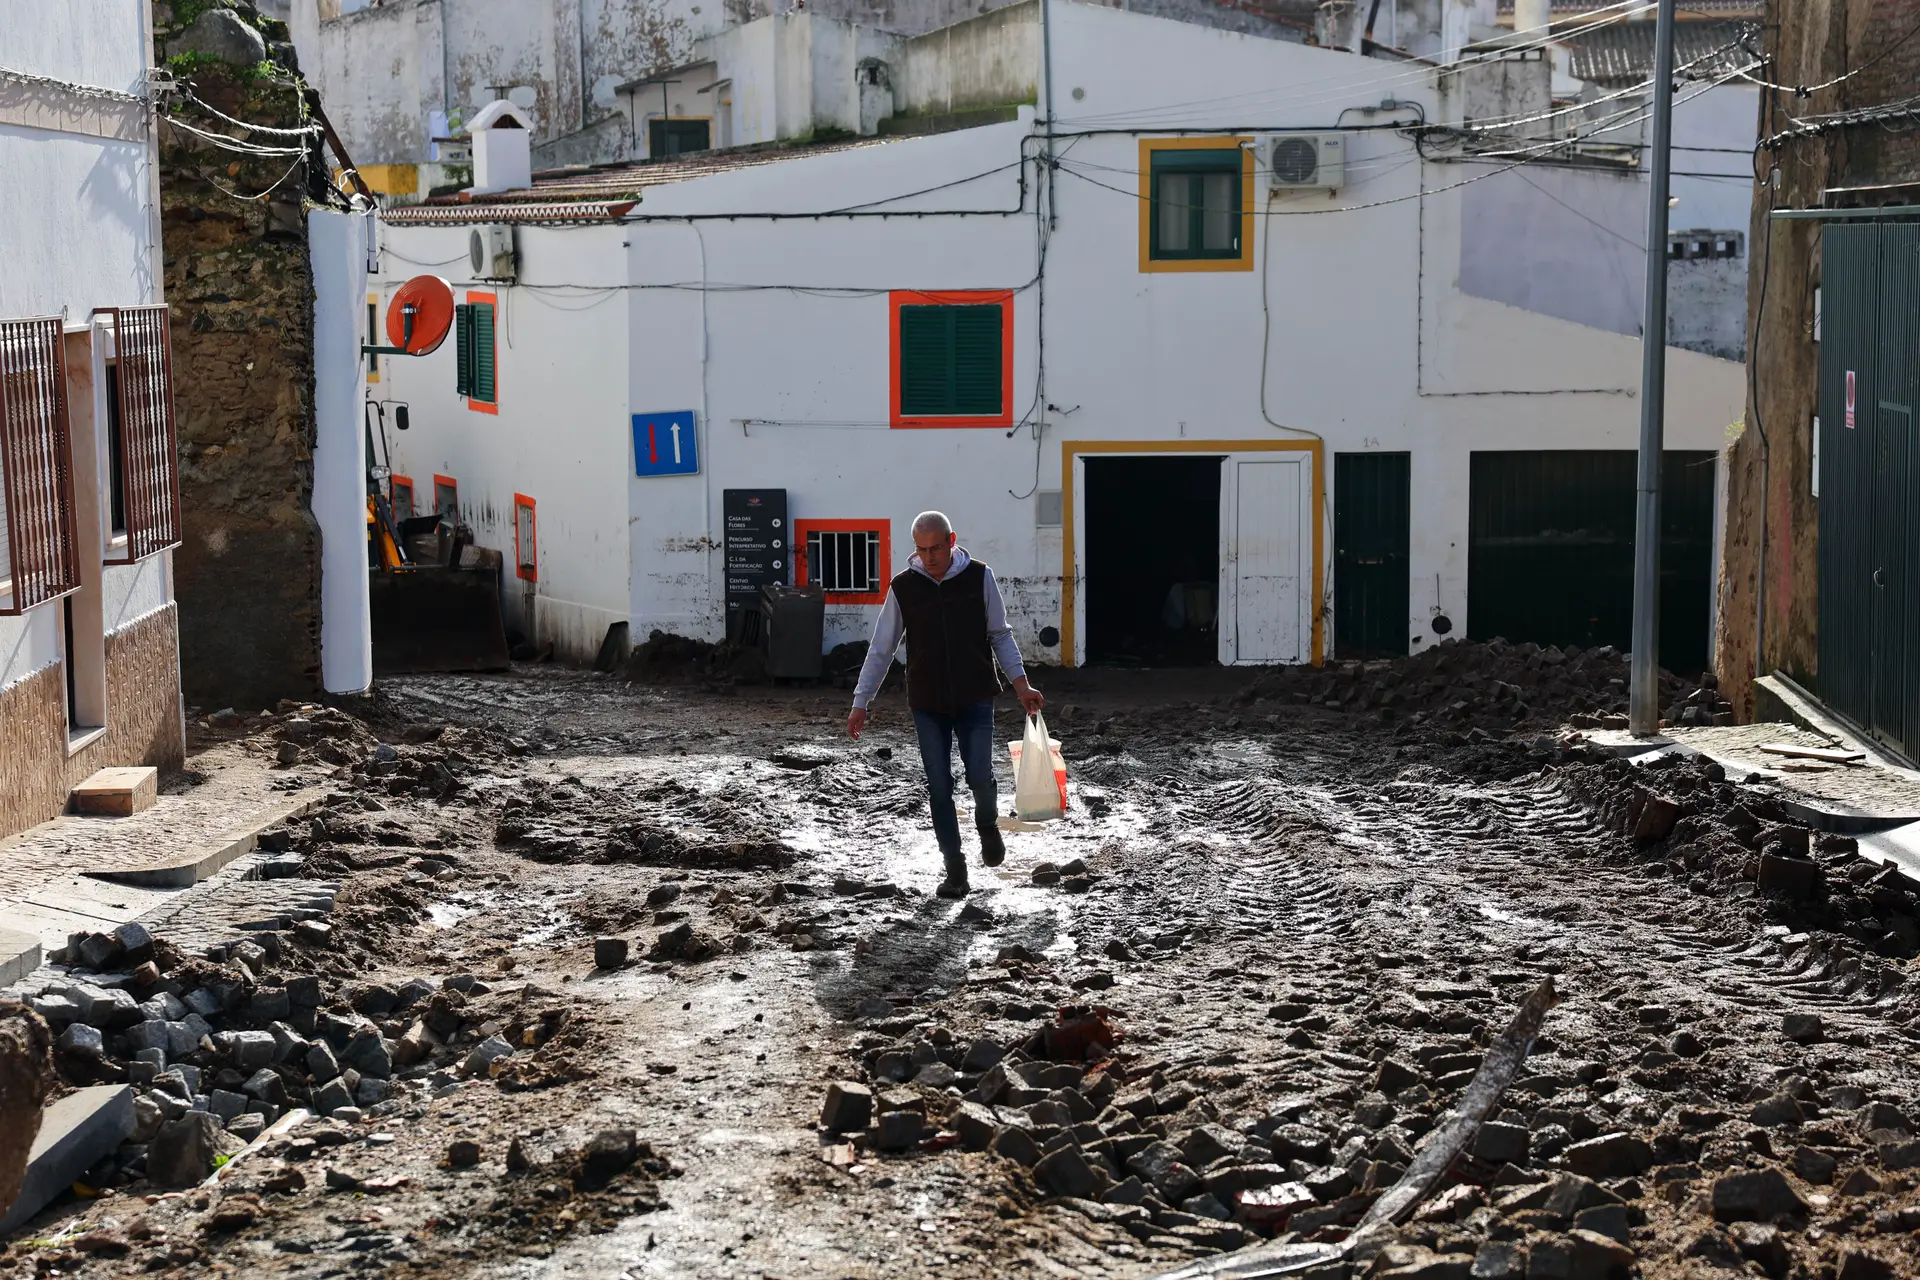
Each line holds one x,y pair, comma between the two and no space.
948,608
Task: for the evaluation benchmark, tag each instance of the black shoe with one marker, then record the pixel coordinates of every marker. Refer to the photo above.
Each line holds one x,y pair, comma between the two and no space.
993,849
953,888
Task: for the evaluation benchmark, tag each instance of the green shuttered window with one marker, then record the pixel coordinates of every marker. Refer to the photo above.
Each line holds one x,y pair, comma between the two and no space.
950,361
473,344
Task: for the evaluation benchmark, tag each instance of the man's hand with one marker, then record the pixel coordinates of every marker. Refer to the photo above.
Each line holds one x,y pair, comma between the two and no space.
856,722
1031,700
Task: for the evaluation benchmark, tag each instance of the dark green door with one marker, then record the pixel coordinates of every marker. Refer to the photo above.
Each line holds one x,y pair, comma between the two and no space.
1370,554
1869,547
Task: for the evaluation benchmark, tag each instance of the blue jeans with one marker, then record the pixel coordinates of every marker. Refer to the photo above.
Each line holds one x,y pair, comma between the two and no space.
973,726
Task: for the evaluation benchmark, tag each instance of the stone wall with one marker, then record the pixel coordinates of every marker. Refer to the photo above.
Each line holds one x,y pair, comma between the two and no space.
144,724
247,576
1771,464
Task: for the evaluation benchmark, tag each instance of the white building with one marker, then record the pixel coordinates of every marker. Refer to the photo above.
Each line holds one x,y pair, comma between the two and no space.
616,80
89,649
1183,412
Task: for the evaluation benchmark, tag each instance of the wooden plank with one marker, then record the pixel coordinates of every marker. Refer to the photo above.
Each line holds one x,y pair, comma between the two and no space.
1832,755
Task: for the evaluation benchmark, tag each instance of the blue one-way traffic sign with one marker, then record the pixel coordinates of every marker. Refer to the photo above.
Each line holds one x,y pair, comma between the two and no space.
665,444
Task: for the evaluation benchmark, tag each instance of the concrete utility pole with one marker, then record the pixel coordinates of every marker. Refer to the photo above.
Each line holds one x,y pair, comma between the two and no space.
1643,705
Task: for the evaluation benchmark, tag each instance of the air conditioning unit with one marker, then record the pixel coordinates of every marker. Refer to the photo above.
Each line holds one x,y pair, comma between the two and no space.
1305,161
490,251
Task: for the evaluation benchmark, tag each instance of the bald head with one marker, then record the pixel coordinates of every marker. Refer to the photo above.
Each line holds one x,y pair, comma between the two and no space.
931,522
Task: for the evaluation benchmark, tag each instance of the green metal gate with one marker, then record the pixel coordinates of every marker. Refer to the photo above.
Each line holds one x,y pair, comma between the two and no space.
1550,549
1869,643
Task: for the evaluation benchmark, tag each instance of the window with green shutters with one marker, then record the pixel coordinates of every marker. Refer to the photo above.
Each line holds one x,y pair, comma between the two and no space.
950,361
1196,204
474,351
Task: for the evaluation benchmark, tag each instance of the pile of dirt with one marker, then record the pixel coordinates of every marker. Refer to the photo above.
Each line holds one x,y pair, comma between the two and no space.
1494,686
666,824
672,659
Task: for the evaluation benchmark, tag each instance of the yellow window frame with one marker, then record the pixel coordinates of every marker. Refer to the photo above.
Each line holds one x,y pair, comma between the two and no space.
1148,263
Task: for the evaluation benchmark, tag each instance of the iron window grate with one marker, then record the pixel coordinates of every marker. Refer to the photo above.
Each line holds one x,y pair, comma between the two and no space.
844,562
39,556
148,501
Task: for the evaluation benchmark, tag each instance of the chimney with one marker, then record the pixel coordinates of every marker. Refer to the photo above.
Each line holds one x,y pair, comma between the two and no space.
1530,16
502,137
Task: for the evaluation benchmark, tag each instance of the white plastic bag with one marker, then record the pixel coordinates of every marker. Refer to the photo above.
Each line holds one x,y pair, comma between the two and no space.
1039,774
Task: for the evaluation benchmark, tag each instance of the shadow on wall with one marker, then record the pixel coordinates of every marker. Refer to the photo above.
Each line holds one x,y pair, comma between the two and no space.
249,611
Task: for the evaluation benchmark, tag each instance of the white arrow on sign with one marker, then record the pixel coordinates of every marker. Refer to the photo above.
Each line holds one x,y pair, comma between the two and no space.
675,428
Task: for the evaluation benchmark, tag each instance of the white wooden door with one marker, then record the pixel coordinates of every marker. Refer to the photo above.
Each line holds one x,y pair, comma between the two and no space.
1264,563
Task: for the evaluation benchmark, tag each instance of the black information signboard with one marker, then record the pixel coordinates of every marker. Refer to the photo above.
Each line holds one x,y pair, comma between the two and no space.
757,548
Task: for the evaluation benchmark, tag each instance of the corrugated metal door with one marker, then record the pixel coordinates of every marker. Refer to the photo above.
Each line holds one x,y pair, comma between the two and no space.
1550,549
1849,286
1870,478
1370,554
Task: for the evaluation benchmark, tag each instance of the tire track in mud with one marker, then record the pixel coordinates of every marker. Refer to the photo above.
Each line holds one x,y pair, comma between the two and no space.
1471,877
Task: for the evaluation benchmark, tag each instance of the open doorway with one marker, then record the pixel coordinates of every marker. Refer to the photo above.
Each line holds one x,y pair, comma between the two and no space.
1152,558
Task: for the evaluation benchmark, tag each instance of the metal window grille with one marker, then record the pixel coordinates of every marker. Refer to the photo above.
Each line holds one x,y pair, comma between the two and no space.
846,562
149,453
39,555
402,500
446,501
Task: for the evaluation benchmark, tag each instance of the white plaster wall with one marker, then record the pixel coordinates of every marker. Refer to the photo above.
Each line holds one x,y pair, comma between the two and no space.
561,434
79,225
94,42
1714,134
337,247
1372,344
131,592
77,211
382,68
986,61
28,644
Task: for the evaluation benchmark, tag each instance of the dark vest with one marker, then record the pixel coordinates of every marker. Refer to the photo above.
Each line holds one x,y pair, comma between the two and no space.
949,657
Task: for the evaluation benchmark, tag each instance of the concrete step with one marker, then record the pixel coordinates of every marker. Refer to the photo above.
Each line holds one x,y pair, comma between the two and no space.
75,1132
117,793
19,955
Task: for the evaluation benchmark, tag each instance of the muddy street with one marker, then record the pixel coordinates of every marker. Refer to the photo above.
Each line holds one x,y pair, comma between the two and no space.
650,980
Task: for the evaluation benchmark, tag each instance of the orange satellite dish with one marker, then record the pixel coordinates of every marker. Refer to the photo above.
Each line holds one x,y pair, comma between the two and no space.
420,315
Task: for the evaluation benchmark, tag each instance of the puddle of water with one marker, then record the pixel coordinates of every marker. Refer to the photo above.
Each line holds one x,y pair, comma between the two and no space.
1512,917
445,915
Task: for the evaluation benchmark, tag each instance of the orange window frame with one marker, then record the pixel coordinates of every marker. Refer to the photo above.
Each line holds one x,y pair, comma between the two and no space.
492,300
1003,298
802,571
526,572
450,483
395,483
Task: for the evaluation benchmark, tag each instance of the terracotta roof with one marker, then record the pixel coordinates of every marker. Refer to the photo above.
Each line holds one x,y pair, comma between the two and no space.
596,193
1622,52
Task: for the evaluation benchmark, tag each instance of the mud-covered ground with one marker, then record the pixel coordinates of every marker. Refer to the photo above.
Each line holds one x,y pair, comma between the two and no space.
1286,914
